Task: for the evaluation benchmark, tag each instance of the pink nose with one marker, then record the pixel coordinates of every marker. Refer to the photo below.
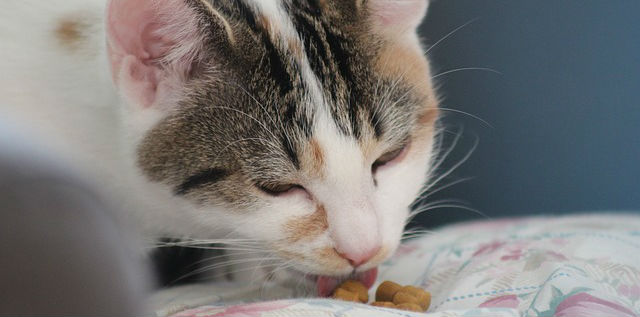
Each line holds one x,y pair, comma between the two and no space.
358,258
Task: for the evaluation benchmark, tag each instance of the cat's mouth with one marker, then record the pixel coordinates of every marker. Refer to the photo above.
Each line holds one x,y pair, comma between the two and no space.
325,285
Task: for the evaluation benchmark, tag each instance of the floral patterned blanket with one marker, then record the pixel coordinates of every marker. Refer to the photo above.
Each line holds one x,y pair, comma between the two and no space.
586,265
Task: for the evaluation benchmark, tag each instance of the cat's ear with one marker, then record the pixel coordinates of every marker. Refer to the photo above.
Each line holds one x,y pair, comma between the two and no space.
395,17
153,44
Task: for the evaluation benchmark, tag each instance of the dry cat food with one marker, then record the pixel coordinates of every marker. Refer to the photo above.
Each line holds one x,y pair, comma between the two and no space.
388,294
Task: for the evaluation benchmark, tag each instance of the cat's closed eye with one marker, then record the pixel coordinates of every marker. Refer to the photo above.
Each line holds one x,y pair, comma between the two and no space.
389,157
279,189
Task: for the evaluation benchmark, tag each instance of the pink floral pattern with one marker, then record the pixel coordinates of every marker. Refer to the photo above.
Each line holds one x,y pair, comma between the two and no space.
585,305
567,266
488,248
630,291
505,301
513,256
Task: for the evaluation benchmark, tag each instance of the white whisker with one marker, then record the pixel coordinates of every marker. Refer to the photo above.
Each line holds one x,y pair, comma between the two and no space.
451,71
222,265
455,166
443,156
240,270
422,207
441,188
449,35
455,207
468,114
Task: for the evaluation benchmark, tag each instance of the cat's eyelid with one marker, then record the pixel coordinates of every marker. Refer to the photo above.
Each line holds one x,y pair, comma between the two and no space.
278,189
399,147
391,156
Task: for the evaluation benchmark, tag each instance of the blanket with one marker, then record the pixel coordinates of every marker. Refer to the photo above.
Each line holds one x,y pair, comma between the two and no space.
584,265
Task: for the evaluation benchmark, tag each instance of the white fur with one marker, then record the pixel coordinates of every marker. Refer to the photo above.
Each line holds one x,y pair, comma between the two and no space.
66,98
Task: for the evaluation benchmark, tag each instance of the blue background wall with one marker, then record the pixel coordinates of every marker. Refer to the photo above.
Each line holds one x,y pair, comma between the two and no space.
565,109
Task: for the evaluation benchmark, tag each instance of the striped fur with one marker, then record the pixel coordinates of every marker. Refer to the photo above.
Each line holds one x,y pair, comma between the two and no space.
295,61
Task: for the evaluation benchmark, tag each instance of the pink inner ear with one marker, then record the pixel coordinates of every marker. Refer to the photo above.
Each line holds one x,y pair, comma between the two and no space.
155,45
391,13
142,39
142,81
130,24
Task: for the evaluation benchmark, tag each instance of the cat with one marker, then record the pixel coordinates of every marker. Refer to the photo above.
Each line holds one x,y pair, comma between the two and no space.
300,130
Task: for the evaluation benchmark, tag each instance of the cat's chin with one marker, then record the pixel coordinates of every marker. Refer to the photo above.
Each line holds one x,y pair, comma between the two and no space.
324,285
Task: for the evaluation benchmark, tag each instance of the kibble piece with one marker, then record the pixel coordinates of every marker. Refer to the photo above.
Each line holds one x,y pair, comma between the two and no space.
411,298
358,288
346,295
423,298
386,290
384,304
402,297
410,307
412,289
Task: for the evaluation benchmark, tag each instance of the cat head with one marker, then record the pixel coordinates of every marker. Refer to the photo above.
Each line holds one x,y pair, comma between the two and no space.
307,125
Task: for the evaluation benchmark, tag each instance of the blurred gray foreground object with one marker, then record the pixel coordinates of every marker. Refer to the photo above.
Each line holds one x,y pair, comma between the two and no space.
61,251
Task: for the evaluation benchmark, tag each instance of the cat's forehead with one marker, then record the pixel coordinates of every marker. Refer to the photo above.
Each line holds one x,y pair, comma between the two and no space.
297,57
291,78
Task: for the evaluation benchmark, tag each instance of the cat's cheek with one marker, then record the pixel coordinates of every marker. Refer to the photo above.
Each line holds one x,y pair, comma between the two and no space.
398,186
306,241
392,219
317,258
280,220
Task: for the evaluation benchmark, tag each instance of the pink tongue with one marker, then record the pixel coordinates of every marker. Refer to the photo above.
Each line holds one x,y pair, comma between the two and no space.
326,284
